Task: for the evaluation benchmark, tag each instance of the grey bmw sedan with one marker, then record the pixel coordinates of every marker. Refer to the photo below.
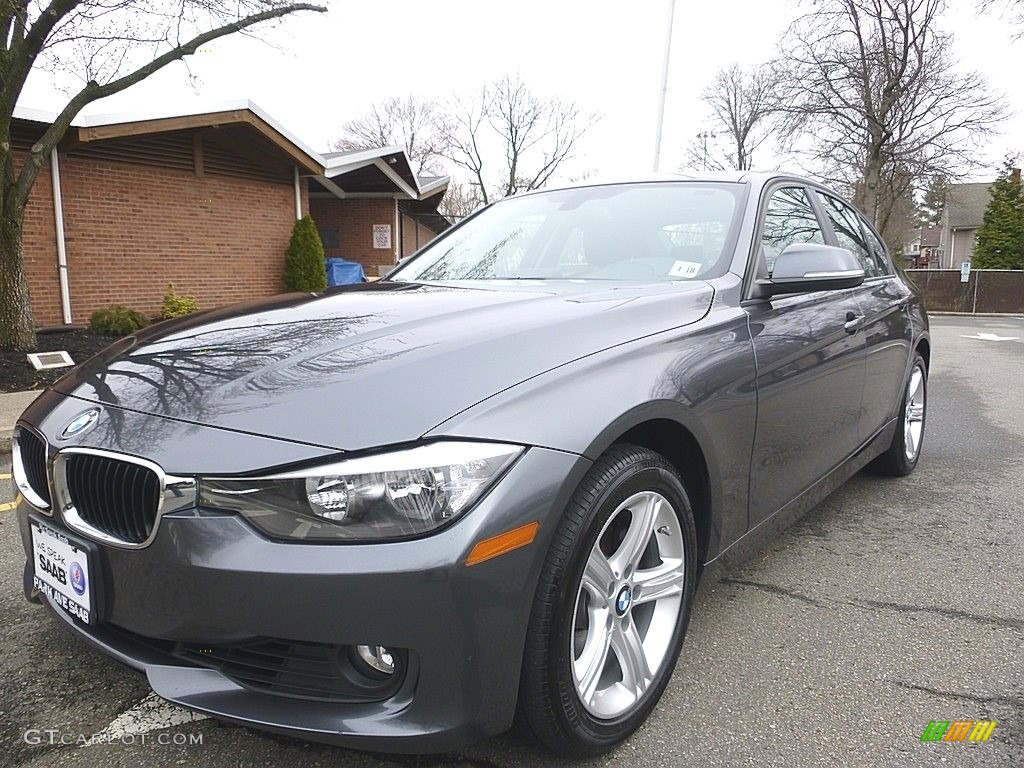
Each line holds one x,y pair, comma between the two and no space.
403,515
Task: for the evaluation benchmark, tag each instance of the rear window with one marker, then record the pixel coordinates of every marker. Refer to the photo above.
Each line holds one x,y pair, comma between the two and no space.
846,225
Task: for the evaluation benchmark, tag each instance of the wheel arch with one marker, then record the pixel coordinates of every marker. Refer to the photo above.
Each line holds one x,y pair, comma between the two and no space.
681,447
924,347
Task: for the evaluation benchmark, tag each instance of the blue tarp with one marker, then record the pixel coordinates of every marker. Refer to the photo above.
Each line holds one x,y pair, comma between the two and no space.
344,272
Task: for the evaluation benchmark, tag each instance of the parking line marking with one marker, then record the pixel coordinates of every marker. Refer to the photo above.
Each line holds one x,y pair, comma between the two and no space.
11,504
5,476
150,714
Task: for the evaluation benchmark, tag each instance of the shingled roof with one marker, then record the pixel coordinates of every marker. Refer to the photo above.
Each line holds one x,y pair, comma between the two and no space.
966,204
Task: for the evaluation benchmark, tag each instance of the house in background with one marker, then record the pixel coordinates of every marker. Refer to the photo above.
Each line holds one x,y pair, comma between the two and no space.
961,220
925,250
207,201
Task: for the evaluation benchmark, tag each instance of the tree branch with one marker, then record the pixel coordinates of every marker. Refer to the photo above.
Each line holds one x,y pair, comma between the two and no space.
94,91
25,46
12,20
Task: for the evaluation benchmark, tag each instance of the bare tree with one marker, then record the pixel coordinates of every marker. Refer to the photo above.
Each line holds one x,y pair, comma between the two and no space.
410,123
536,136
111,45
459,201
503,137
463,128
873,96
743,102
898,214
703,152
1008,9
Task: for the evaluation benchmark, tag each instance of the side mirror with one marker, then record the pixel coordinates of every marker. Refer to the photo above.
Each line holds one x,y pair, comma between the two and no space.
807,267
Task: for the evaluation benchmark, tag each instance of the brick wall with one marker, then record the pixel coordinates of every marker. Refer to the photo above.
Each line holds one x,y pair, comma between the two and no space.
130,229
350,223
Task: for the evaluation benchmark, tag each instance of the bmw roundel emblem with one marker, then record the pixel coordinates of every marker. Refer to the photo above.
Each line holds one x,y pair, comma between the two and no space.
77,578
624,600
80,423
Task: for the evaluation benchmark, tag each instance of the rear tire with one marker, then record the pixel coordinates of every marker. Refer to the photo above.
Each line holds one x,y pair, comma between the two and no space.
902,455
611,607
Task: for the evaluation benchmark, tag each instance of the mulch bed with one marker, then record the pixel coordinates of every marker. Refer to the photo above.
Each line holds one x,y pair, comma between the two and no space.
17,373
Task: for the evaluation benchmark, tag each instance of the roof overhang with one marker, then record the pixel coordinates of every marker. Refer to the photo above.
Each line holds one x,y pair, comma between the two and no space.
434,186
90,128
377,172
302,159
425,212
383,171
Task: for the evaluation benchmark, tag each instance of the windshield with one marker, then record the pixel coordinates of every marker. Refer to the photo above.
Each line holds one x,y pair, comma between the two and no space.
637,232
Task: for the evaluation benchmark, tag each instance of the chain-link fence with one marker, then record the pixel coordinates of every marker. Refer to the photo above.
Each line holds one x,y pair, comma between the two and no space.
986,290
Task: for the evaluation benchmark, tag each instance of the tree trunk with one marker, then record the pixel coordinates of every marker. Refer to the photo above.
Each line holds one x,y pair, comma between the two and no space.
872,182
873,175
17,325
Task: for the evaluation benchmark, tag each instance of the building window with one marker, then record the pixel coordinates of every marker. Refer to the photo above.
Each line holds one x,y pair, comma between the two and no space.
331,238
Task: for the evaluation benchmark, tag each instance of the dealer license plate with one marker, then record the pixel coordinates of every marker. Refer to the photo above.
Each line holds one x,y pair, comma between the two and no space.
61,571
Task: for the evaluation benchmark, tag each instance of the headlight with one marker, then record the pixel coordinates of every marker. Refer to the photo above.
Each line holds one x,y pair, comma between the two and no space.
386,496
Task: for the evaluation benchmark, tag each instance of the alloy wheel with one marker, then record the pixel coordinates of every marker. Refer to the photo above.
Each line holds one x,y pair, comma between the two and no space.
627,606
913,420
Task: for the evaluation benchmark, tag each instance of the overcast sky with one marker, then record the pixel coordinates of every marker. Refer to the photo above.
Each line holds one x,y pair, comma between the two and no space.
322,70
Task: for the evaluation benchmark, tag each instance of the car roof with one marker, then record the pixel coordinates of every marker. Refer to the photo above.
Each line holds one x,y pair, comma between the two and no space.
753,178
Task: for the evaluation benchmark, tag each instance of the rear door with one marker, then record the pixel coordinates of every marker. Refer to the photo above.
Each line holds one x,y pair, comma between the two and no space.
885,316
810,367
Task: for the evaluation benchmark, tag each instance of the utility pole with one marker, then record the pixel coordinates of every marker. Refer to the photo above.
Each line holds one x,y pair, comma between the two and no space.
664,86
704,136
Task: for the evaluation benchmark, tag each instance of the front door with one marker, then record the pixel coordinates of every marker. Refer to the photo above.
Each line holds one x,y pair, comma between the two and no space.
810,369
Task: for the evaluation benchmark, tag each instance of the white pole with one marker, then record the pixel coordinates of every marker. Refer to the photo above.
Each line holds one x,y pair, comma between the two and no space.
62,254
664,86
298,195
977,279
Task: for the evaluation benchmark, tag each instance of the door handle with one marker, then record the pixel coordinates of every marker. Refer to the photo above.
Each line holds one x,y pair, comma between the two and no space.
854,322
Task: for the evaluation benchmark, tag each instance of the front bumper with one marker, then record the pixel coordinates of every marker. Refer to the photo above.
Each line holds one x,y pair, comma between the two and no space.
213,579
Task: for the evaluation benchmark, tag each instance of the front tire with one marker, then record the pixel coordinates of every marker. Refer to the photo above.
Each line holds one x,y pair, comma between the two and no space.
612,605
901,457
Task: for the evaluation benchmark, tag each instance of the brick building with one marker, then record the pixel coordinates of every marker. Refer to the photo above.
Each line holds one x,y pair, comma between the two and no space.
206,201
370,207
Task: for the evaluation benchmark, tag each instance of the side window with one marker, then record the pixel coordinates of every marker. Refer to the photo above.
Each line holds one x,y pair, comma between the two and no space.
881,257
789,219
846,224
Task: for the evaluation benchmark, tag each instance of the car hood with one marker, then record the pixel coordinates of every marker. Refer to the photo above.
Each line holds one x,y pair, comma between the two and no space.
375,364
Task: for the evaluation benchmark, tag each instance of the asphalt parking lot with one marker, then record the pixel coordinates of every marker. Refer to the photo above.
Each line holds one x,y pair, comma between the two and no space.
894,603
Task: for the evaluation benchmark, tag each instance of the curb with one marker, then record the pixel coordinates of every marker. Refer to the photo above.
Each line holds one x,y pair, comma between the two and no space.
942,313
